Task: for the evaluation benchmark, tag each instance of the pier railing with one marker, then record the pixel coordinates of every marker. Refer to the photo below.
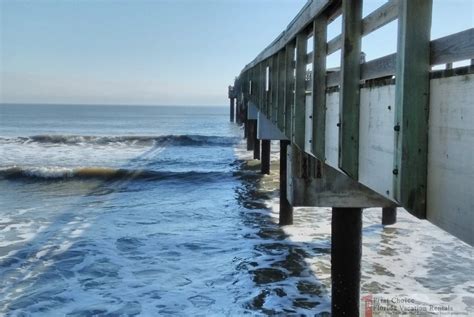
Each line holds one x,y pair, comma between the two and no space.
330,113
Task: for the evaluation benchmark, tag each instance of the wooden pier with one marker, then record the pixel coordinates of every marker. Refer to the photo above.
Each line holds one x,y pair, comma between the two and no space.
384,133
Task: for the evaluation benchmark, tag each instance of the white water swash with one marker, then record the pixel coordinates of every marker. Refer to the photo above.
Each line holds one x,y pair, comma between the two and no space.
153,211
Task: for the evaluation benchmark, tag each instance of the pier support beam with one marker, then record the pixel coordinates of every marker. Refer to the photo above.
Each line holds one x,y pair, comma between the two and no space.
265,161
389,216
238,106
286,209
250,131
346,252
246,129
232,106
256,141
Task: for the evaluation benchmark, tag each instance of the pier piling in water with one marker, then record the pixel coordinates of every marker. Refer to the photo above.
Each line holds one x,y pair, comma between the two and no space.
256,142
232,94
286,210
232,111
346,252
250,135
389,216
265,157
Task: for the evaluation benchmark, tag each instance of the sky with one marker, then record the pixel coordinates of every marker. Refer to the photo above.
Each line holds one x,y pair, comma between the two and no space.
163,52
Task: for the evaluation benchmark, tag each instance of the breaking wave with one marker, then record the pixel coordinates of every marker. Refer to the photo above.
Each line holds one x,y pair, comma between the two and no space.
103,173
170,140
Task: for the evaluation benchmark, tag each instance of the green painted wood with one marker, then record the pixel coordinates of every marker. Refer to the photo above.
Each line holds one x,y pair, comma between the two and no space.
298,113
383,15
349,96
281,89
261,87
319,87
290,82
274,88
297,25
412,105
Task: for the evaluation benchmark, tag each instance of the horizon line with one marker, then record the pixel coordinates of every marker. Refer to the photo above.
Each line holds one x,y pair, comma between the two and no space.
107,105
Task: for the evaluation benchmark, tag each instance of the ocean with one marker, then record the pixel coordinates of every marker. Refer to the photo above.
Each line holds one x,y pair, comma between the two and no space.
160,211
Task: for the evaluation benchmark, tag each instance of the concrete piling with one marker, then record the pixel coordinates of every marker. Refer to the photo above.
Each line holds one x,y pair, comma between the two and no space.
389,216
232,111
250,135
346,252
265,161
286,210
256,141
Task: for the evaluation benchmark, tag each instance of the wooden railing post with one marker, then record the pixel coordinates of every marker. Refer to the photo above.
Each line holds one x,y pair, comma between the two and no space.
266,108
289,90
281,89
319,86
299,109
349,96
261,87
274,89
412,103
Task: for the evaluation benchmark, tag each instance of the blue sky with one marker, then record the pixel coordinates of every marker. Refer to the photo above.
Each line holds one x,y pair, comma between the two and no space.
156,52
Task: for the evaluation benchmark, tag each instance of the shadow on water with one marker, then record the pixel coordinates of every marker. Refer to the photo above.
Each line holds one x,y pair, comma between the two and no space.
52,255
284,281
281,278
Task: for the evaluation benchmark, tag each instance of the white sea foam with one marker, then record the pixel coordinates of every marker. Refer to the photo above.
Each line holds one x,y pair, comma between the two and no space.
92,248
411,258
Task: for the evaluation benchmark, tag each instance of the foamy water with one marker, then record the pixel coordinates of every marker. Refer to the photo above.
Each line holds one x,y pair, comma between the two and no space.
119,211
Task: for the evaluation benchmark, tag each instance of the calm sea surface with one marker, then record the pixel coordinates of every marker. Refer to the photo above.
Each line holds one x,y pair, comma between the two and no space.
152,211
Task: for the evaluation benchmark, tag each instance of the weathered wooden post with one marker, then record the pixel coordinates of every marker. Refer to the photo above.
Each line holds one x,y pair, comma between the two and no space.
349,96
289,87
412,104
298,109
286,210
319,86
265,165
389,216
346,252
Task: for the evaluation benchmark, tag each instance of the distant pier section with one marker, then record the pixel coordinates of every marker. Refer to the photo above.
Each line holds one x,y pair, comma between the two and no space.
389,132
